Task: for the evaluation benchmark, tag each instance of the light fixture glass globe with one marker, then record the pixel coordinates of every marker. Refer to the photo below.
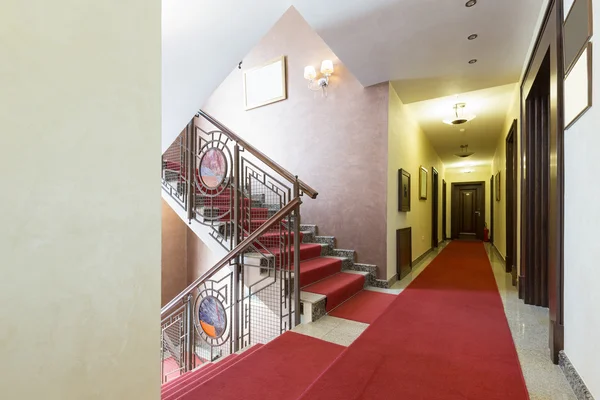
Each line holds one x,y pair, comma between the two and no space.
459,115
327,67
310,73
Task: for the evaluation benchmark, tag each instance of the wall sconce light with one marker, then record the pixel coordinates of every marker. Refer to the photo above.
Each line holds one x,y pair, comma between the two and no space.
310,74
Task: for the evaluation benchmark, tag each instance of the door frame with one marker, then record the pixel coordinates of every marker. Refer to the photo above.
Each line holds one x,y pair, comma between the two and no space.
444,211
511,202
454,206
549,40
492,199
435,206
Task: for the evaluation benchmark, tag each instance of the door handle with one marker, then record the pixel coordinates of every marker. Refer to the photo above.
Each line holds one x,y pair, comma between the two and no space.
478,213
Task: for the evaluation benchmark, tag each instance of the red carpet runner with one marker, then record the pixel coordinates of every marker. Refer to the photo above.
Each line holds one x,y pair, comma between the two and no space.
445,337
365,307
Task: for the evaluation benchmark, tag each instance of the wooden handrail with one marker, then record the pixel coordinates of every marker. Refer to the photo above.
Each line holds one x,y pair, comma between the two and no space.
289,207
310,192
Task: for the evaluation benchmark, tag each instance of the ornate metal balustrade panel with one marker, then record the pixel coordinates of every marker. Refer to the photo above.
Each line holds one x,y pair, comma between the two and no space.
252,297
174,170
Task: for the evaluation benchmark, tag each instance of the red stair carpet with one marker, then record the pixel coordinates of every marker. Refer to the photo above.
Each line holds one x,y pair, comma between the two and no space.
445,337
282,369
366,306
337,288
315,269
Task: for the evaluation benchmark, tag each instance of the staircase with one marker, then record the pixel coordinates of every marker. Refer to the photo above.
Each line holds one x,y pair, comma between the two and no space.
277,272
281,369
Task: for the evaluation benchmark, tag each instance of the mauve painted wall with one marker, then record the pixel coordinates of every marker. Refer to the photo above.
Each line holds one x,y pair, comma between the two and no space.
336,144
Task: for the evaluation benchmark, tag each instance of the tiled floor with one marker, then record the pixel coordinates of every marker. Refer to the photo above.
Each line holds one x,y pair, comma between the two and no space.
528,324
529,327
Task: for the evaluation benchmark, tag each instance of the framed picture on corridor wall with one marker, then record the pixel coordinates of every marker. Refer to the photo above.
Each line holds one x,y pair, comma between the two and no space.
403,191
265,84
497,188
422,183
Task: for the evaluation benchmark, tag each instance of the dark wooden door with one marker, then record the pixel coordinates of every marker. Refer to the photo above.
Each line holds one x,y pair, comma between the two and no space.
434,207
403,252
467,228
537,111
444,212
492,200
468,210
541,279
511,202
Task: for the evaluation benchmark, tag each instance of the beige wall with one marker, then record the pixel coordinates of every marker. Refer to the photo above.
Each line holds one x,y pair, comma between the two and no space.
456,175
80,237
499,164
409,148
337,144
199,257
185,257
174,255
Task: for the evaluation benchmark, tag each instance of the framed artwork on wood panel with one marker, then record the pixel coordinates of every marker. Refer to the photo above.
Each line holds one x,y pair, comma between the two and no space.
497,188
403,191
422,183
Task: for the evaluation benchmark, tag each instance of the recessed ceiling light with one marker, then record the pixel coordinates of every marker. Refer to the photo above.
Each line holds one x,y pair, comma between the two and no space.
471,3
473,61
472,37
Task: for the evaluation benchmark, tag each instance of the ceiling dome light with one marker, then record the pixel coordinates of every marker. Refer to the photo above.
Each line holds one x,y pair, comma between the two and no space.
473,36
473,61
459,115
471,3
464,151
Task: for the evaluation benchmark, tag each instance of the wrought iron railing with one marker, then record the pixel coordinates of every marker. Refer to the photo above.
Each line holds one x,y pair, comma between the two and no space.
251,207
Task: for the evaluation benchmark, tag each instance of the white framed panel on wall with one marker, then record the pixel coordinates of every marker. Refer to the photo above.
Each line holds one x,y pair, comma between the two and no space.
578,87
265,84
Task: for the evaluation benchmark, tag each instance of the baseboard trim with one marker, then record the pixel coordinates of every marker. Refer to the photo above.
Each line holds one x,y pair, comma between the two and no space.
499,254
573,377
422,256
385,284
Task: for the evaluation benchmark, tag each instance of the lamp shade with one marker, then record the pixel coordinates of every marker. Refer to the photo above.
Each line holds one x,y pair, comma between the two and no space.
327,67
310,73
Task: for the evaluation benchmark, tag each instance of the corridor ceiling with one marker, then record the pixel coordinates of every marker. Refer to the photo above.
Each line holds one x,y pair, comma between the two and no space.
422,46
481,134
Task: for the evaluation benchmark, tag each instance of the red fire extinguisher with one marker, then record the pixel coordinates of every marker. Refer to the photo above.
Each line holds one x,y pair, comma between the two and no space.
486,233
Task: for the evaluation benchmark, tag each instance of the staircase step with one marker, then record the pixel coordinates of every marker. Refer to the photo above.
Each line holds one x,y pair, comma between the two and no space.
315,269
274,239
219,201
171,386
280,370
338,288
257,223
256,213
177,390
170,366
307,251
188,379
221,367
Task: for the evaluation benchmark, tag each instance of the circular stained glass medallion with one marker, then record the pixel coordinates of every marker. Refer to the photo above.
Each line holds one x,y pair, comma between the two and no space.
212,317
213,168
